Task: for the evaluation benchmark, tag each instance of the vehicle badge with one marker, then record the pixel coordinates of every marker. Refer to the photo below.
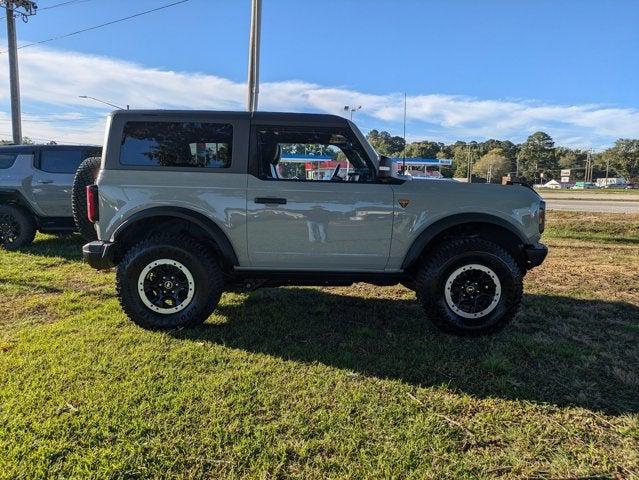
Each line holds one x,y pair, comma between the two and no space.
404,202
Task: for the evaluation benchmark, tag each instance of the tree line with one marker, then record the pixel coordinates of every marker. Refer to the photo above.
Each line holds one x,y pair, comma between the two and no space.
536,159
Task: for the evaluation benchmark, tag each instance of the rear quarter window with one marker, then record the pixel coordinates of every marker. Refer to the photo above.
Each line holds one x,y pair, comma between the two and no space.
61,161
7,160
177,144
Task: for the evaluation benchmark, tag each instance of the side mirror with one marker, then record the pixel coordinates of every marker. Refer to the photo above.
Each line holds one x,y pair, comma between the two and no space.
385,169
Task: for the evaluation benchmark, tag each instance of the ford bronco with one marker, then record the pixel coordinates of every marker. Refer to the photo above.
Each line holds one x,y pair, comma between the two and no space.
190,203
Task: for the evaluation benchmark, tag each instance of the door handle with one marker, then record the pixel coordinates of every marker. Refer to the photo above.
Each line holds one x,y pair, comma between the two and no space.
46,182
270,200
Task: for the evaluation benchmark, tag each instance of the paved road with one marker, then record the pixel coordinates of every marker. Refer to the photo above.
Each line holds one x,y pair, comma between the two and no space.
600,205
589,195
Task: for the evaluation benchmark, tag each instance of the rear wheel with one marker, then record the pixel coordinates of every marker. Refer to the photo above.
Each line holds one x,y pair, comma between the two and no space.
86,175
17,227
168,282
470,287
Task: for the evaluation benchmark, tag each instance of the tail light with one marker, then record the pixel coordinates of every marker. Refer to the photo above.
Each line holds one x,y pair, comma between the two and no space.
93,212
542,217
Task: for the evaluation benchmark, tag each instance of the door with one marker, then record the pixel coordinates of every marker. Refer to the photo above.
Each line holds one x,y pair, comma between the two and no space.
53,180
314,202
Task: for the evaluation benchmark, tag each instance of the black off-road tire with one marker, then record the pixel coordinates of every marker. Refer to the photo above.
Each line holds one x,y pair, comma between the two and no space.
17,227
207,276
85,175
448,258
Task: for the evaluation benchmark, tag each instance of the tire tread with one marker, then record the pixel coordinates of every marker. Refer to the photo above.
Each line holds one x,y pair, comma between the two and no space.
188,317
442,254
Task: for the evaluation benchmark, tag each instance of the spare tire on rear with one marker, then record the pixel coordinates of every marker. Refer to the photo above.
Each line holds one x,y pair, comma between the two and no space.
85,175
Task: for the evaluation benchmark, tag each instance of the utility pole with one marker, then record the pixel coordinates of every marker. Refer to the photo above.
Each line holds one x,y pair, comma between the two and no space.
404,150
590,167
470,178
254,56
14,76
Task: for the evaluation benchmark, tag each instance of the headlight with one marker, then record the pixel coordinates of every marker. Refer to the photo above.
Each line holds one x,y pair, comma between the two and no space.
542,216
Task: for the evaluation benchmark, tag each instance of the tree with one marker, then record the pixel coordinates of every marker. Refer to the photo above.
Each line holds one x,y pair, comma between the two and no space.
536,155
423,149
623,158
461,154
494,165
386,144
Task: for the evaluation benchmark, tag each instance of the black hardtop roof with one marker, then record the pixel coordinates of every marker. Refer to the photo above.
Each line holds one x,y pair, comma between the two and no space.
29,148
288,117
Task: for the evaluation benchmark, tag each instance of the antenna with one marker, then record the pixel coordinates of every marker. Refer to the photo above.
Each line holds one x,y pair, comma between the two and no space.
404,151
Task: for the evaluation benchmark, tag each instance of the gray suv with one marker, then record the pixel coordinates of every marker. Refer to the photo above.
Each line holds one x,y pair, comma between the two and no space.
190,203
35,190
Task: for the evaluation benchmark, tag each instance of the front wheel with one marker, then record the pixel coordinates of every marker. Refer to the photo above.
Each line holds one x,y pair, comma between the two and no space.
470,287
168,282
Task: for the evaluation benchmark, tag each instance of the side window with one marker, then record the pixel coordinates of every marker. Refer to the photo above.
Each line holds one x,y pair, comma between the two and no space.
177,144
60,161
311,154
7,160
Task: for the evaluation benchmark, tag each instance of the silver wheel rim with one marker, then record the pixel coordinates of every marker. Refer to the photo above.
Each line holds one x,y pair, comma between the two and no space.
489,296
148,302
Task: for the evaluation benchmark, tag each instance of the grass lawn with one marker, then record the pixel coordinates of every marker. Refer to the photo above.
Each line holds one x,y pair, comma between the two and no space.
325,382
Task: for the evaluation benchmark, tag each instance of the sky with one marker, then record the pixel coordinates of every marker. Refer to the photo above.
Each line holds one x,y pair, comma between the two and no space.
472,70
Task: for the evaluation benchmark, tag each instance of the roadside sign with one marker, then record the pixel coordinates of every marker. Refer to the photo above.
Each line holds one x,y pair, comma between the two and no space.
565,173
565,179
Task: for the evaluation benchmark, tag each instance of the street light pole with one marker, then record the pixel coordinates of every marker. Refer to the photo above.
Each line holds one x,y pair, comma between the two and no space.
102,101
348,108
254,56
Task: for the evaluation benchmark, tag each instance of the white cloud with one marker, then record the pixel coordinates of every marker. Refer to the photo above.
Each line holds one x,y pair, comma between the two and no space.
51,81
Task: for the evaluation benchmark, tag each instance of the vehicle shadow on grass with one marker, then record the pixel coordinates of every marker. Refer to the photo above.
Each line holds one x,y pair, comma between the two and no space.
559,350
68,246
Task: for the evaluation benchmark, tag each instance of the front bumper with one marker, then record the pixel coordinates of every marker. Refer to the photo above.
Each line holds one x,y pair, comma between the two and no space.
99,254
535,254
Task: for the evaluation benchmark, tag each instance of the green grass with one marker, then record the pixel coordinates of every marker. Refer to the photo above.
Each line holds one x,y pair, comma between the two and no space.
322,382
596,227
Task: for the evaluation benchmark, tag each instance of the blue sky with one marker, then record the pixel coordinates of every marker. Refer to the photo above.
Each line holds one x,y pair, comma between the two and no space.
472,69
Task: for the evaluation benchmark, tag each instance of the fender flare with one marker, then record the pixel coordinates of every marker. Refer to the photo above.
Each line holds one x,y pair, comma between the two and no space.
431,231
198,219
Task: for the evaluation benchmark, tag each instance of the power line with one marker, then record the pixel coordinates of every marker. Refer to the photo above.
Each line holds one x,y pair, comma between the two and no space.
70,2
59,37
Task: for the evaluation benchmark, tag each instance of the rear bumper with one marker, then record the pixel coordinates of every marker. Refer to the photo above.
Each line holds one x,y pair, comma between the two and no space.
535,254
99,254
